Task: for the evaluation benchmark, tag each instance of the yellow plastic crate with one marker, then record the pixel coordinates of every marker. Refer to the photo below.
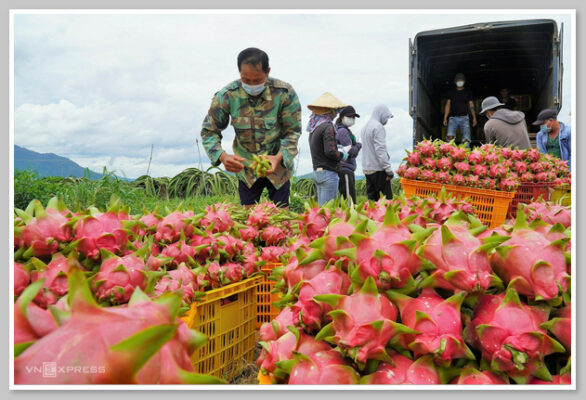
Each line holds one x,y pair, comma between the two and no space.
227,316
490,206
266,312
562,195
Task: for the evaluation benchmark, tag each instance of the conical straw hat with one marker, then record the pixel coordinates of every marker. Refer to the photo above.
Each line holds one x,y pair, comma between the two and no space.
326,100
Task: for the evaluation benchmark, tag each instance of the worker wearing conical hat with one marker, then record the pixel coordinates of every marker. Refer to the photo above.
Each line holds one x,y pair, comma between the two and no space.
325,154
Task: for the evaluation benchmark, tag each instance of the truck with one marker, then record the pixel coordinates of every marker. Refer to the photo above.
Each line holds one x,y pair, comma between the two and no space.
524,56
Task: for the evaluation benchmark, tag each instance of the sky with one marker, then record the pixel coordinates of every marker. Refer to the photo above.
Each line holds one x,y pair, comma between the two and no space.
102,89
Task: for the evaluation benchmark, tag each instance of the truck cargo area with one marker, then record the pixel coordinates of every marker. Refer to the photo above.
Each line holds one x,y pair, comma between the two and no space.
522,56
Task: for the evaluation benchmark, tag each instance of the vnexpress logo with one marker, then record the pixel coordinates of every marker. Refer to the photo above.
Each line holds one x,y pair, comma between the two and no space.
49,370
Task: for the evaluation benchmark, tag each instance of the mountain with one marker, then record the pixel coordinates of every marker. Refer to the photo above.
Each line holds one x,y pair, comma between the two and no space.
48,164
310,176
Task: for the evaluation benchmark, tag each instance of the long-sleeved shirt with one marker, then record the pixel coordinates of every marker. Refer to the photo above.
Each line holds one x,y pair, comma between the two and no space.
565,137
374,146
268,124
324,150
344,137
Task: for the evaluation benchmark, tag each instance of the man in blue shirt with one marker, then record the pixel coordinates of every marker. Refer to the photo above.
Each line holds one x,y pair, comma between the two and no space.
554,137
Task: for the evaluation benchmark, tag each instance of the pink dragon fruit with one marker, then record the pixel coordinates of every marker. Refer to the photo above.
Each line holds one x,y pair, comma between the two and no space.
518,155
376,210
229,247
414,158
476,157
259,215
100,231
273,253
403,371
527,177
272,235
458,154
249,259
438,323
277,327
446,148
530,263
506,152
183,279
427,175
427,148
387,254
179,252
148,224
488,183
550,213
508,334
444,164
443,177
480,170
401,170
463,167
315,222
492,158
206,246
119,277
310,313
429,163
472,376
509,184
458,180
295,272
55,278
322,368
275,352
461,259
561,325
22,278
215,274
217,218
233,272
49,227
533,155
497,171
520,167
542,177
169,228
412,173
473,181
142,343
363,323
249,233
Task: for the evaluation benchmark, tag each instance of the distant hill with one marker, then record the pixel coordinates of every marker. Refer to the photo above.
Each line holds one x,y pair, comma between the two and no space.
48,164
310,176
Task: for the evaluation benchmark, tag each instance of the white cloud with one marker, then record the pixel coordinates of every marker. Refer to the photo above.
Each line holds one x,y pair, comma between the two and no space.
101,89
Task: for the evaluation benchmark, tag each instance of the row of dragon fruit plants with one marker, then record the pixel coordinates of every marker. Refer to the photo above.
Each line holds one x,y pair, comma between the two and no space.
403,291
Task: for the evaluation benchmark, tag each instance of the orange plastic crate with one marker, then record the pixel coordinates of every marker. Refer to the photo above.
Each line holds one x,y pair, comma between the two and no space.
528,193
490,206
266,312
227,316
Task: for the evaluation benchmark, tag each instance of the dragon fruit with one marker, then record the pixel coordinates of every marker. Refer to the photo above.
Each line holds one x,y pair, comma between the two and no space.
472,376
550,213
536,167
217,218
443,177
461,259
402,169
542,177
363,323
480,170
412,173
561,326
229,246
458,180
206,246
310,313
119,277
183,279
248,233
488,183
55,278
527,177
509,184
98,231
376,210
530,263
385,253
403,371
294,272
46,230
520,167
518,155
278,326
179,252
492,159
170,227
260,214
444,164
497,171
22,278
427,175
508,334
275,354
414,158
458,154
446,148
506,152
322,368
315,222
472,180
462,167
272,235
272,253
427,148
148,224
437,322
142,343
476,157
429,163
249,260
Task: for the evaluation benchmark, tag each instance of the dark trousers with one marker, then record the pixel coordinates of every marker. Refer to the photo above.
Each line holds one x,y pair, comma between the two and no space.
376,184
351,185
249,196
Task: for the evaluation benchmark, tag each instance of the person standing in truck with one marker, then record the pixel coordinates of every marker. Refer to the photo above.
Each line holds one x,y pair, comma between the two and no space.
459,104
507,100
376,162
346,139
554,137
504,127
266,116
325,153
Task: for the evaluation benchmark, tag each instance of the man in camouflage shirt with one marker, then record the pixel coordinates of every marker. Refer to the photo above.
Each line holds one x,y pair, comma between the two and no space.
266,116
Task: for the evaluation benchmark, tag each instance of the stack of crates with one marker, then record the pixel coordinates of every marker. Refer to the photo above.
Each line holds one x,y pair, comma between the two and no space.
527,193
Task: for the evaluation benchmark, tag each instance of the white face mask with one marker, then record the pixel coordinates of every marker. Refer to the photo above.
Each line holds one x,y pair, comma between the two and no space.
348,121
460,83
253,90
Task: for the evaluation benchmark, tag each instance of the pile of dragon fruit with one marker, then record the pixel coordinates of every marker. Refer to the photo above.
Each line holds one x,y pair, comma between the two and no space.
404,291
488,167
383,295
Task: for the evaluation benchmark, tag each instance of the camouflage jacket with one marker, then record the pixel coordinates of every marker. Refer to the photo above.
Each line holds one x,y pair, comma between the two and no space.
268,125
